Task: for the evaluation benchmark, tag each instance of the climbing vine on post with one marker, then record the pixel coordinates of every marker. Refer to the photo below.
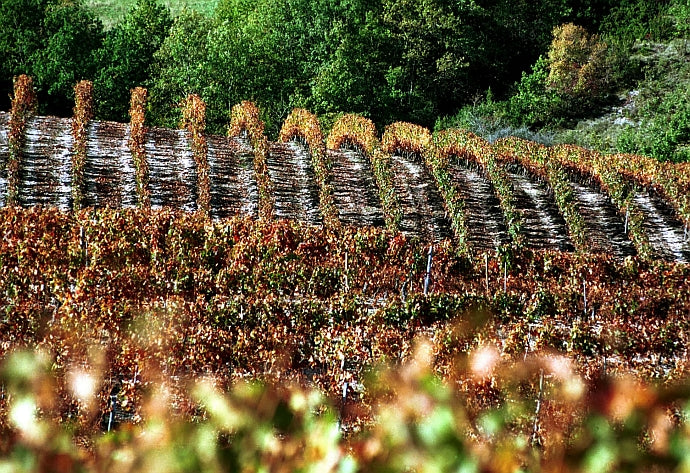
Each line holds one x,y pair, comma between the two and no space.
194,121
83,114
305,124
245,117
23,106
361,133
137,140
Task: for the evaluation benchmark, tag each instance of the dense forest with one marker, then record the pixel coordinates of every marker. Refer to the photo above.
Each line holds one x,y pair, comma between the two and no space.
486,65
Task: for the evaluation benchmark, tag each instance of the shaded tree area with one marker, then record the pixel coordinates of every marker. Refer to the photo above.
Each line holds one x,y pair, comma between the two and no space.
386,59
51,40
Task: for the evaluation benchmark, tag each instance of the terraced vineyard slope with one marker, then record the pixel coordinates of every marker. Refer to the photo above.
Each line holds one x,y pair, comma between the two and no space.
609,220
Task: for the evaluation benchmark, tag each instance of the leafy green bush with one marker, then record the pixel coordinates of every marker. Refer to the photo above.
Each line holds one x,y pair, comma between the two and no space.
664,128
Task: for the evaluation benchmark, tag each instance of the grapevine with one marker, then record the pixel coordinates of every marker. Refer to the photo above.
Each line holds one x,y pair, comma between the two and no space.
537,159
245,117
304,124
181,299
401,137
253,344
465,144
194,121
23,107
436,160
665,178
83,114
355,130
406,138
137,139
589,163
361,132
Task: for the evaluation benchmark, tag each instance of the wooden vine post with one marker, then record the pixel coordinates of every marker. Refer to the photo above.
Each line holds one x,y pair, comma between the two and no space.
23,107
245,117
83,114
194,121
137,141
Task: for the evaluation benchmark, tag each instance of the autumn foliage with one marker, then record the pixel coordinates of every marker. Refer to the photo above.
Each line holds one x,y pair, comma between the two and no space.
23,106
245,117
354,130
137,144
466,145
191,338
83,114
577,61
406,138
538,160
194,121
211,334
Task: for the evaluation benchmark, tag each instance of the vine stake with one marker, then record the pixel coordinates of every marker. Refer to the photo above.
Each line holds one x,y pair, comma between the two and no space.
427,279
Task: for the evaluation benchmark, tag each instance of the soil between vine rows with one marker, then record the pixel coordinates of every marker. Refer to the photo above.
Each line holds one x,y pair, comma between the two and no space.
172,169
423,211
485,223
45,173
604,226
665,231
109,174
294,184
543,226
354,189
233,185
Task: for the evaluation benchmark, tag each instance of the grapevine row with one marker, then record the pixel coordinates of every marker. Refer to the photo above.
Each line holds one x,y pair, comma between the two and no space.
467,145
613,173
137,140
83,114
23,107
666,178
245,117
536,158
588,163
360,132
194,121
304,124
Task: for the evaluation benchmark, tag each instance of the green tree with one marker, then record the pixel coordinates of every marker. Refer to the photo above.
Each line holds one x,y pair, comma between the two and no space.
435,43
180,67
353,79
680,11
517,32
275,52
73,34
22,34
126,57
533,103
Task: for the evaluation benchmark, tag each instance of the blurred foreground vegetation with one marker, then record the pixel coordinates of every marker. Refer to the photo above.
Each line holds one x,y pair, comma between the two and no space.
515,415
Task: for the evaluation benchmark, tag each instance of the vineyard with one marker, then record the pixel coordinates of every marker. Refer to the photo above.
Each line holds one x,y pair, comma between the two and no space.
418,302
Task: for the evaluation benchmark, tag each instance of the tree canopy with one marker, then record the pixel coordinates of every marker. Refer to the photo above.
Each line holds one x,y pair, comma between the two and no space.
388,60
